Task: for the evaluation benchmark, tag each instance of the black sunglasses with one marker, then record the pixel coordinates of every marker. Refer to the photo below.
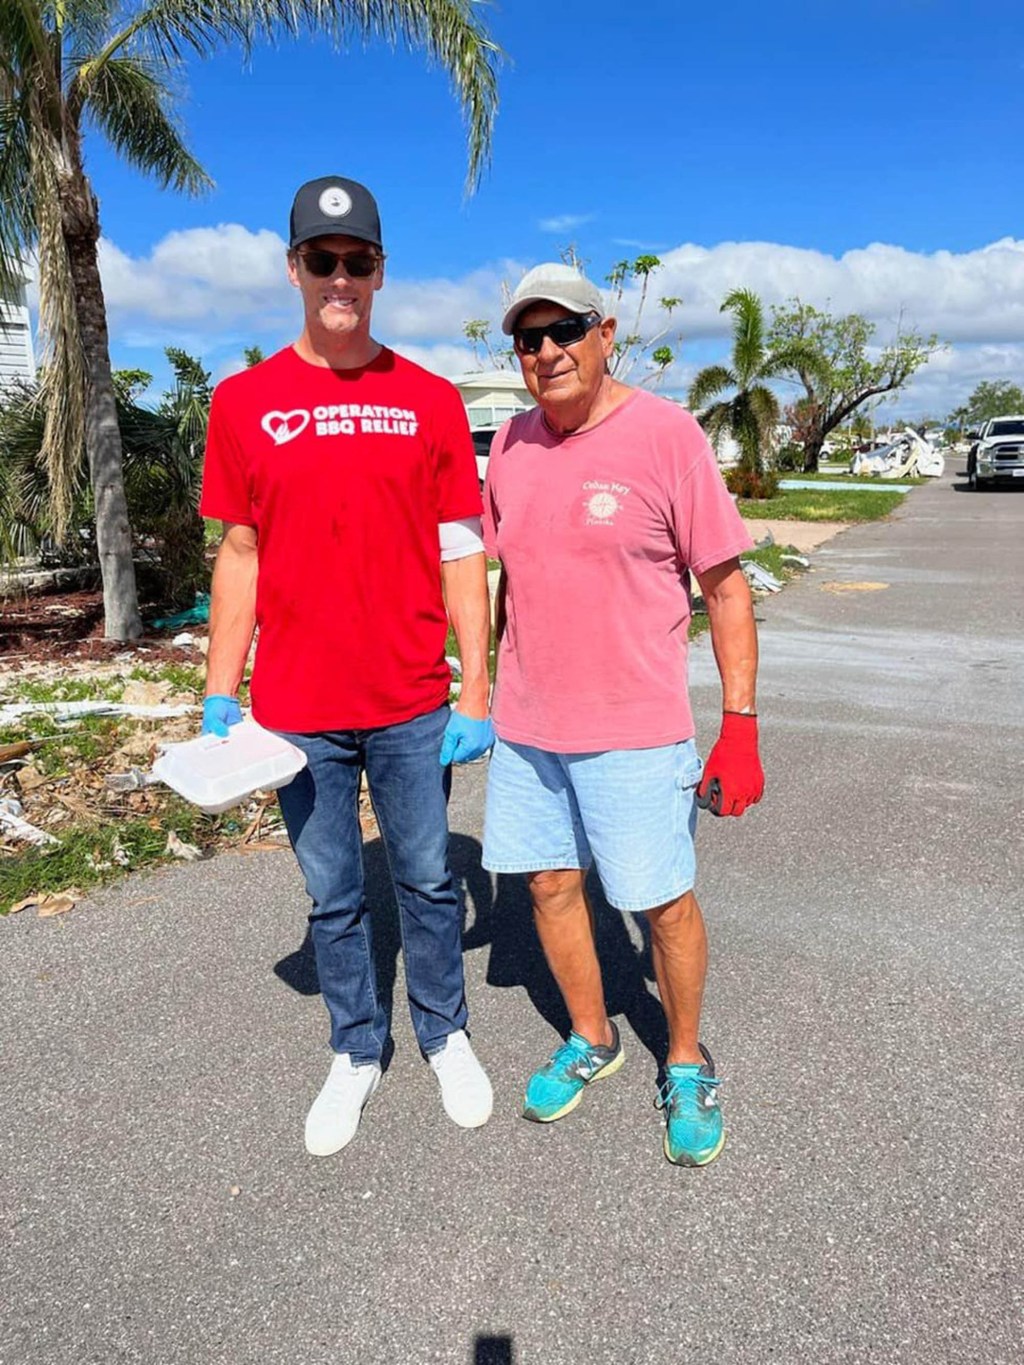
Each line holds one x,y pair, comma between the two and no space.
564,332
359,265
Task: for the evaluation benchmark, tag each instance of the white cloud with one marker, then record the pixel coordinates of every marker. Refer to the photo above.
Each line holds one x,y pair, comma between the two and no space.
442,359
222,282
216,289
967,296
565,222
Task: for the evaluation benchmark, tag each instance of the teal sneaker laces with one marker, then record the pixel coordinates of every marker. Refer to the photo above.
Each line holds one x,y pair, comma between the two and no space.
570,1058
689,1090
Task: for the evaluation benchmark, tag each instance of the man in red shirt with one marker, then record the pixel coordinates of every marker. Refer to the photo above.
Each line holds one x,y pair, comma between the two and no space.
600,502
346,480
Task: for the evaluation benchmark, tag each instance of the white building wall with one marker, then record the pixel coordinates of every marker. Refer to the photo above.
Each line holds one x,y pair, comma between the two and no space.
17,359
491,398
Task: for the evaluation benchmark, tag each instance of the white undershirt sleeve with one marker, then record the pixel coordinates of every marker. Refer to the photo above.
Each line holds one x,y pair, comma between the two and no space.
461,538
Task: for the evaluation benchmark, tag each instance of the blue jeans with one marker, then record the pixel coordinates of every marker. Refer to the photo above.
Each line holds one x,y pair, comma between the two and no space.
409,790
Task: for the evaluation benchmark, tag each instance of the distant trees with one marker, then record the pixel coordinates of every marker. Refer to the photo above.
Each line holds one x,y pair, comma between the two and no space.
749,411
162,449
632,347
991,398
847,372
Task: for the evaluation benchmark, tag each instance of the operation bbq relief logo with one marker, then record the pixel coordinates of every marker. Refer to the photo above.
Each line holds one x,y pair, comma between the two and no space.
602,502
340,419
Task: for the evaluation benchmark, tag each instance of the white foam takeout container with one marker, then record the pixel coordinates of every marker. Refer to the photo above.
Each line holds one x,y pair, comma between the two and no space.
216,774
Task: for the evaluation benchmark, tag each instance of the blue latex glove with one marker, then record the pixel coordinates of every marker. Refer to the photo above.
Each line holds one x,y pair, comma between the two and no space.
465,739
218,713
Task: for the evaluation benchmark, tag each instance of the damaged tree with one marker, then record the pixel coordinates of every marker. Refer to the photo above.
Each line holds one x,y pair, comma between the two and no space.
846,376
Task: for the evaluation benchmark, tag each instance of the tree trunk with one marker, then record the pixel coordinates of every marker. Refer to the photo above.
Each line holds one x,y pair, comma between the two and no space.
812,453
102,436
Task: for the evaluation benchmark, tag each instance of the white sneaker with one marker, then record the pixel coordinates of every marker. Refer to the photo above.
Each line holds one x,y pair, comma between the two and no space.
334,1117
465,1090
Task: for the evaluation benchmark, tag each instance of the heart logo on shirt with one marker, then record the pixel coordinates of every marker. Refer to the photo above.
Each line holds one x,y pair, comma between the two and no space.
285,426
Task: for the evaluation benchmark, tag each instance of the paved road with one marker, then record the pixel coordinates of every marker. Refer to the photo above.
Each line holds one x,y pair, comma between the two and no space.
161,1044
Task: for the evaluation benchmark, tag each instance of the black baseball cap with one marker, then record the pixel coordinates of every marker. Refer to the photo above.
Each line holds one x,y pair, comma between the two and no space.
334,206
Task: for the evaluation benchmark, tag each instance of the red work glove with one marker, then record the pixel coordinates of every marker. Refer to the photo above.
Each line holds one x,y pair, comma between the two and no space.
733,777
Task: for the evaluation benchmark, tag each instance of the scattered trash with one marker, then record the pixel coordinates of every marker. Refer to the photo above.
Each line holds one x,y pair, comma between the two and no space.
69,710
9,752
11,821
179,849
28,778
798,561
49,903
758,577
765,542
145,692
853,587
454,664
196,615
185,638
58,904
907,454
132,781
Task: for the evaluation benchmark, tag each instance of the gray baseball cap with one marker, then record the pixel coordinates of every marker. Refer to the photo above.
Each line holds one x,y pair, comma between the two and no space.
553,282
334,206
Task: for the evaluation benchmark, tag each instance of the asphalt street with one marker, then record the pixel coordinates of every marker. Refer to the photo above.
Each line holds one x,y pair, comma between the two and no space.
160,1046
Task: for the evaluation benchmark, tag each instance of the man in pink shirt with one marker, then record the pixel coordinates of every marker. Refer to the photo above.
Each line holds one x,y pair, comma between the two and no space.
600,502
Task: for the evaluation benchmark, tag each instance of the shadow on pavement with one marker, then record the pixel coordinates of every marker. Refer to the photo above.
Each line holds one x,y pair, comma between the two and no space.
999,488
493,1351
505,923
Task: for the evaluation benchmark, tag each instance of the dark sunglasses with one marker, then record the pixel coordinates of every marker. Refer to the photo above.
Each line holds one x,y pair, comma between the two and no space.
564,332
358,265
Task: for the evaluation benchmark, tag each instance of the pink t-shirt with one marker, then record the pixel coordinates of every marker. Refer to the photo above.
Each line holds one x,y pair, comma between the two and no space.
597,533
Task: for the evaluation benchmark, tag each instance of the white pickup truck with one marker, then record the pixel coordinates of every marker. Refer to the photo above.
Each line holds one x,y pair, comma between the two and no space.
997,454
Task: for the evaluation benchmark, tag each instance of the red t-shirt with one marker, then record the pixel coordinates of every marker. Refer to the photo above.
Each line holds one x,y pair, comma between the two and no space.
598,532
345,474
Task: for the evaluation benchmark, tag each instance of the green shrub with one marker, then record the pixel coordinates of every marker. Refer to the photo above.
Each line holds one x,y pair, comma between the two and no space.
752,483
790,457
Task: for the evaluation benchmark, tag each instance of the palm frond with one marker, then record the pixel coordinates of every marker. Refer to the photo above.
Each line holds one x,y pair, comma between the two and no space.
128,102
17,207
764,406
748,333
86,26
796,358
712,380
447,30
746,429
717,423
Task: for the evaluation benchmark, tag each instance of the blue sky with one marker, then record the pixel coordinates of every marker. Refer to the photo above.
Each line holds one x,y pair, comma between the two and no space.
863,156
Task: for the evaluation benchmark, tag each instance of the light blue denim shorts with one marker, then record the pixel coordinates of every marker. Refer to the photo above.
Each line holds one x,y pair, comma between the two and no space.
630,812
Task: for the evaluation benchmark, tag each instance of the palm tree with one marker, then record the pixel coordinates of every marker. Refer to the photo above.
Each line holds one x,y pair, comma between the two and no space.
752,412
65,64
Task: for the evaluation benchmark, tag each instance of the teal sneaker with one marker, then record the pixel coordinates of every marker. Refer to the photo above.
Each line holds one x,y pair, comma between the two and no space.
694,1134
557,1088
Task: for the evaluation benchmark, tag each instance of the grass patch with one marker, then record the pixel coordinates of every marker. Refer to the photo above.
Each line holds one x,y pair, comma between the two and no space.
181,677
65,689
92,739
89,855
844,476
769,557
808,504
